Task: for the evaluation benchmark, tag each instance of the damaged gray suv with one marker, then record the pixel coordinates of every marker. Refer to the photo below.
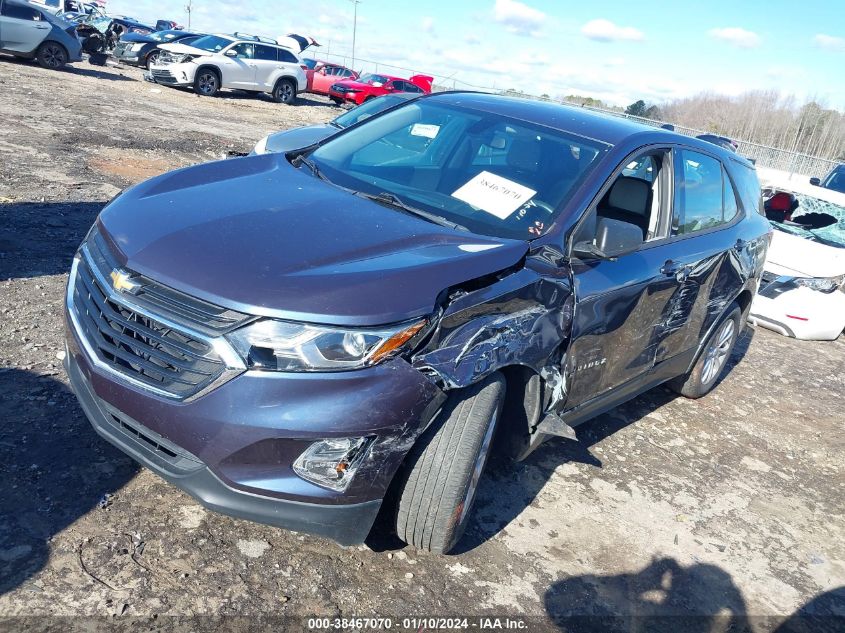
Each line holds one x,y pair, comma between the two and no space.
306,339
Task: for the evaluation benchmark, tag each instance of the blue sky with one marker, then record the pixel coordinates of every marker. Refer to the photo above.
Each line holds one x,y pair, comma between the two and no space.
615,50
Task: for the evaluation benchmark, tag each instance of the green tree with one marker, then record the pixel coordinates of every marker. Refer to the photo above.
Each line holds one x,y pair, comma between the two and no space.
638,108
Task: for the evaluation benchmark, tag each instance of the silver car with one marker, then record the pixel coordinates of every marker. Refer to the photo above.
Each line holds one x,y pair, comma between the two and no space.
29,32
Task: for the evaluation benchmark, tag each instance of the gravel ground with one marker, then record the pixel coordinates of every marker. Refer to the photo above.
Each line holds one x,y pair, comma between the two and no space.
729,508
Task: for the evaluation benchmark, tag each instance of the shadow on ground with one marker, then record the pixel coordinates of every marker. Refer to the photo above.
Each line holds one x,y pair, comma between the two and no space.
38,239
53,469
667,597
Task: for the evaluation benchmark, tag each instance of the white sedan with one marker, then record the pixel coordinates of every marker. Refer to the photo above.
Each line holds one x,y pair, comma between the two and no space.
802,293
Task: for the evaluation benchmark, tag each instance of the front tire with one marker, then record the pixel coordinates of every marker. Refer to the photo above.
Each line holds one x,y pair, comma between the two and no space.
284,92
714,357
152,58
442,471
207,82
51,55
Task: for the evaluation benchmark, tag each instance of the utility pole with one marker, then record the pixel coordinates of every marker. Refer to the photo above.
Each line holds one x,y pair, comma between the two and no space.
189,9
355,4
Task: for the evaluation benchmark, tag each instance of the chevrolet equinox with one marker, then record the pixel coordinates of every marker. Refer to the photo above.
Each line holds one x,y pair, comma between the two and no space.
298,339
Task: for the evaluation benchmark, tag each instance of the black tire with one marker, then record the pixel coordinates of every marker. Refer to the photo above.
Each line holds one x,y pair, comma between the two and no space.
337,102
152,58
207,82
441,473
284,92
52,55
714,357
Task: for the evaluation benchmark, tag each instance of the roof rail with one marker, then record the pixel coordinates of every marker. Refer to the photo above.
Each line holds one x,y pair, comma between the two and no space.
253,38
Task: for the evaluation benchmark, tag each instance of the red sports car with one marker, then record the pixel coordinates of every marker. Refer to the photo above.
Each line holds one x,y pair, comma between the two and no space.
369,86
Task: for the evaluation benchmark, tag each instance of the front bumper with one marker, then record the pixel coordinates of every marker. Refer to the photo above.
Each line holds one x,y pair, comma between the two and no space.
172,74
233,448
351,97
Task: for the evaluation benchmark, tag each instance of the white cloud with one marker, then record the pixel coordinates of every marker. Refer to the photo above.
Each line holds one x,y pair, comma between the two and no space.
829,42
519,18
472,40
427,25
606,31
736,36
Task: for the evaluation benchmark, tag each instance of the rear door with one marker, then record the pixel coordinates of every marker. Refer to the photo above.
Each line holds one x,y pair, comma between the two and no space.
266,66
22,29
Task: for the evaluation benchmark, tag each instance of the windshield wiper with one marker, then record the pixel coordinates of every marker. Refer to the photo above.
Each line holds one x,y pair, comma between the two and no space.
302,160
390,200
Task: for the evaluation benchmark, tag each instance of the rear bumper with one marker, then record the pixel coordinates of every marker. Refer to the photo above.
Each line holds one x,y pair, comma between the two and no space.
346,524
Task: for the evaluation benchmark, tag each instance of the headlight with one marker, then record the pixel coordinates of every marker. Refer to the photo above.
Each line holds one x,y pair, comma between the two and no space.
182,59
261,146
286,346
822,284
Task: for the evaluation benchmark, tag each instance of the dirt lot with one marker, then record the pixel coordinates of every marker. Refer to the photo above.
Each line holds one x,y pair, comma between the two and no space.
729,508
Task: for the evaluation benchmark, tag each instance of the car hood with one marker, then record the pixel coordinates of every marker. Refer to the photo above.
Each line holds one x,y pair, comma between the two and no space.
260,236
137,38
796,256
299,137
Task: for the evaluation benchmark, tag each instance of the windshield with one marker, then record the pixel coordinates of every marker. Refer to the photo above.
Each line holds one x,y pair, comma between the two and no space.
368,109
494,175
373,79
815,212
212,43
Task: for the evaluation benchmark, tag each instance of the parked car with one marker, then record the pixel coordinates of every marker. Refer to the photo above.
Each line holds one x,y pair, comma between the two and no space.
721,141
288,337
296,138
231,61
803,290
28,32
835,180
370,86
138,49
101,33
324,75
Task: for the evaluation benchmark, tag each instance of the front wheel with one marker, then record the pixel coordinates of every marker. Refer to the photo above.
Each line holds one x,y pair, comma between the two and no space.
51,55
152,58
442,471
284,92
717,350
206,83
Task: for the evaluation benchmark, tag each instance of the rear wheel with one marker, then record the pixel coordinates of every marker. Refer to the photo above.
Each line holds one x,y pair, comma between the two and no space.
284,92
207,82
51,55
710,365
443,469
152,58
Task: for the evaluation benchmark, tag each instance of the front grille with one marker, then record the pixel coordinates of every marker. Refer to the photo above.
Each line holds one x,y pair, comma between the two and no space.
163,76
133,342
338,88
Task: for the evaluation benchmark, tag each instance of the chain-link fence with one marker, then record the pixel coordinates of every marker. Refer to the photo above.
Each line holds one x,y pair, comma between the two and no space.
763,155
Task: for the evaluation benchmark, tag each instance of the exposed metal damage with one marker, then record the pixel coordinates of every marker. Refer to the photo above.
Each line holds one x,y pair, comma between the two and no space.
521,319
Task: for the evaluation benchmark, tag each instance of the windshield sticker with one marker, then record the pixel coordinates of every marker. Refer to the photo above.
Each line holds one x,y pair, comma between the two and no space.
495,195
425,129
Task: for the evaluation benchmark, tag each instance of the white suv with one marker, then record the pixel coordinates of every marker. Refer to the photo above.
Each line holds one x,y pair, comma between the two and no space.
239,62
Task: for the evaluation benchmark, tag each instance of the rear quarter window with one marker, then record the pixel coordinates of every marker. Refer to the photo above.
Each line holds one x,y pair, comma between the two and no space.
287,56
748,187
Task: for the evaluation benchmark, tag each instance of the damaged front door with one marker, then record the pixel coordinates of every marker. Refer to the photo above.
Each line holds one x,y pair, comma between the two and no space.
621,302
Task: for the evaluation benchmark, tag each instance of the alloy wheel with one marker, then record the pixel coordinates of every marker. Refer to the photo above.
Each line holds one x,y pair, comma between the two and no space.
208,83
717,354
53,56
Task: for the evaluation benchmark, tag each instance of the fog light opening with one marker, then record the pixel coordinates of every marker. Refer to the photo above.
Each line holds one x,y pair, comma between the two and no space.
332,463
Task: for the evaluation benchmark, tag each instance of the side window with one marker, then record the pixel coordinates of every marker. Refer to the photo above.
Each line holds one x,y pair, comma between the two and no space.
265,53
244,50
347,73
409,87
729,204
698,193
21,13
286,56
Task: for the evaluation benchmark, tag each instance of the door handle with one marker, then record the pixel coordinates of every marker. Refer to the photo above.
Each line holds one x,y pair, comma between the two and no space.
676,270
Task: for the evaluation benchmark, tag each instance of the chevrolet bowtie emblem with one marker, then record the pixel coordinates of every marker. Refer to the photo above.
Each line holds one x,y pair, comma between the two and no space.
121,282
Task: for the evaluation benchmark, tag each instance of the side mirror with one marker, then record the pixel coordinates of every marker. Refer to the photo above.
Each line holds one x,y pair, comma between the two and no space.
614,238
815,181
231,53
